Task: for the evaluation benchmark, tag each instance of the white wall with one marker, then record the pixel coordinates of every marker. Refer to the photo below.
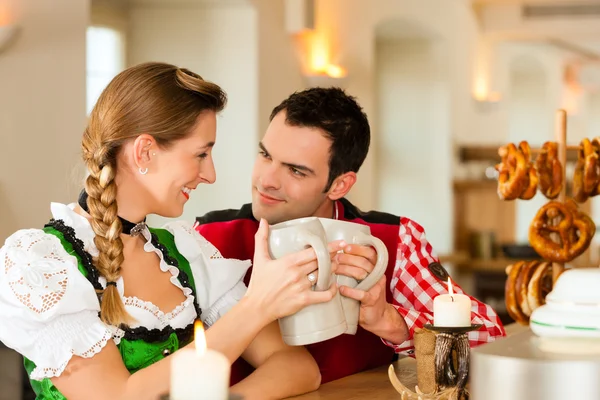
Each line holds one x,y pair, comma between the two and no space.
279,69
413,139
353,47
528,119
220,43
42,110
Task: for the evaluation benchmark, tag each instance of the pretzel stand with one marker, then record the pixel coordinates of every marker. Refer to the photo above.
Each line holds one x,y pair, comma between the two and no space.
556,355
561,139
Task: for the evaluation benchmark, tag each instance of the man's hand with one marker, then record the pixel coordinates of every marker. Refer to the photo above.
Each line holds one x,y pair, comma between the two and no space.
376,314
373,304
356,261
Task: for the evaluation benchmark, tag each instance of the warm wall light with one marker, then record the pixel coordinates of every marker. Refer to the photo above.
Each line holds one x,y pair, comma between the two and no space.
335,71
320,71
485,100
319,56
7,35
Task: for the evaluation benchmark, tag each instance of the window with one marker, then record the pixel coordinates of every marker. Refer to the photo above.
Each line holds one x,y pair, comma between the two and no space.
105,58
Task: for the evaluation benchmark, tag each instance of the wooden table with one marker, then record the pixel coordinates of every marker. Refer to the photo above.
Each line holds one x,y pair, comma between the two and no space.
375,384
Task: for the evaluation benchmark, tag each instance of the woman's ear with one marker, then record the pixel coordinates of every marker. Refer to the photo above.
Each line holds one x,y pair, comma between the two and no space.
143,146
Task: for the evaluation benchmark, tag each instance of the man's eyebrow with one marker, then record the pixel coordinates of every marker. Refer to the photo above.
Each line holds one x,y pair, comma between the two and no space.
299,167
303,168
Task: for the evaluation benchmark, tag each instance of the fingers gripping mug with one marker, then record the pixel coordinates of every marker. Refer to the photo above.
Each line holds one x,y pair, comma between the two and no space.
316,322
359,234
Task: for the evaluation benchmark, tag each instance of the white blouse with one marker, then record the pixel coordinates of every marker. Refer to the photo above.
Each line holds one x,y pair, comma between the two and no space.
49,310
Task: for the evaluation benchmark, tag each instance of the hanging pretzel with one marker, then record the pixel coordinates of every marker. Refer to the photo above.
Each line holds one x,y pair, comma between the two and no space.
510,293
587,172
550,170
596,147
527,285
579,194
531,178
591,171
512,178
539,285
560,232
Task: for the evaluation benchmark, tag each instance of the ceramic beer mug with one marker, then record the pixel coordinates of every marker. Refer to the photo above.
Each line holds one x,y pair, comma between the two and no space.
316,322
359,234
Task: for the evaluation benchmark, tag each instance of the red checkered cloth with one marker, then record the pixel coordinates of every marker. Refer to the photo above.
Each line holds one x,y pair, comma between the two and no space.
414,287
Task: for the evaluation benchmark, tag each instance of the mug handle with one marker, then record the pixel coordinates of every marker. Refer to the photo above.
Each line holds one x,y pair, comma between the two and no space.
323,259
381,264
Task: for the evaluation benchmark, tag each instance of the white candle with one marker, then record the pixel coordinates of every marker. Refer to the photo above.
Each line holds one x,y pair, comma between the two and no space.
199,373
451,310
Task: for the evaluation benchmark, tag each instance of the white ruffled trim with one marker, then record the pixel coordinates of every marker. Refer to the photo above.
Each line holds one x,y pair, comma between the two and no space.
164,267
69,335
224,304
165,319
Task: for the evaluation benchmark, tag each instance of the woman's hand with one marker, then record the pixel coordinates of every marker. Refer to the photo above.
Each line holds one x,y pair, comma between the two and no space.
282,287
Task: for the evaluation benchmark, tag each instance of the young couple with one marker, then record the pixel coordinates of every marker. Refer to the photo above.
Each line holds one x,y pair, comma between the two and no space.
96,300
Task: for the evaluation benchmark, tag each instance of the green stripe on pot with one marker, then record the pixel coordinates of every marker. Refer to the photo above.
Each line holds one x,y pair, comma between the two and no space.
576,328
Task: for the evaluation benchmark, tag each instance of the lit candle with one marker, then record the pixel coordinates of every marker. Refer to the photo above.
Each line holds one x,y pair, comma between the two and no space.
451,310
199,373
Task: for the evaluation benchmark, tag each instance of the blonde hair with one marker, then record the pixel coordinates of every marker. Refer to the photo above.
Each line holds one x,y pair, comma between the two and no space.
154,98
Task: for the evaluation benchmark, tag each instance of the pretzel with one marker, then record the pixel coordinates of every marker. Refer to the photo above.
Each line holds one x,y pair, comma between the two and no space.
596,147
512,178
510,294
532,179
521,285
590,225
550,170
587,171
579,194
560,232
527,285
591,172
539,285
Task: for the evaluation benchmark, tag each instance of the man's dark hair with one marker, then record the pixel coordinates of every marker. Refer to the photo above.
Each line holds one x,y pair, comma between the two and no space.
340,117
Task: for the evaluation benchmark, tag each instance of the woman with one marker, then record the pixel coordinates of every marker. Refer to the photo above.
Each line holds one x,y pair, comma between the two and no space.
96,301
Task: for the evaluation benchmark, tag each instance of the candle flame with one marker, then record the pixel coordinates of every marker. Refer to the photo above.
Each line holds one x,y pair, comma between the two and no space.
199,338
450,291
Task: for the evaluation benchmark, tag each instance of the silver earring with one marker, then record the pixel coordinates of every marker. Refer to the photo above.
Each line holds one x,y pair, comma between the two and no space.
143,171
153,154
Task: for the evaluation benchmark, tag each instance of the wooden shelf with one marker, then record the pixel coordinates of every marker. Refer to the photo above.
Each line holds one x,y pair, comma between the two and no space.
490,153
492,265
475,184
464,262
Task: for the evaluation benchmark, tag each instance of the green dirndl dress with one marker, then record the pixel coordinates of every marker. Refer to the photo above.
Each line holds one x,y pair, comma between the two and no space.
139,347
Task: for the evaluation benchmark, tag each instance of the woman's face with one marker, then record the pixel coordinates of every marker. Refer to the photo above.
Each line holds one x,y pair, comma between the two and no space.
174,172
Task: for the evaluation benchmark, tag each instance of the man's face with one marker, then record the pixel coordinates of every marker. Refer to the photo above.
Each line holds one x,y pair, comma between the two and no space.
290,173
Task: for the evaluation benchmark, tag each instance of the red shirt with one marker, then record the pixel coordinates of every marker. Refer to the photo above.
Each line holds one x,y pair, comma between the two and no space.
414,278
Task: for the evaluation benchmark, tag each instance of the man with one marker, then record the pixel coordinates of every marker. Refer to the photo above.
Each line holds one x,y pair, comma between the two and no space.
308,159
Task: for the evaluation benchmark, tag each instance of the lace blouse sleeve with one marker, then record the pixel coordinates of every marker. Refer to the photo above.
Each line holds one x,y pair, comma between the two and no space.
49,310
219,281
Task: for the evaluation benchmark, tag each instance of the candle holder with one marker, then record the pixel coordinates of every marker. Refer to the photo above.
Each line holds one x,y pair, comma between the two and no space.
450,371
446,370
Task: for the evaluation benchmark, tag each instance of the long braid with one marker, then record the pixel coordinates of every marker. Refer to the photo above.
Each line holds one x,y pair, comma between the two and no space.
102,203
